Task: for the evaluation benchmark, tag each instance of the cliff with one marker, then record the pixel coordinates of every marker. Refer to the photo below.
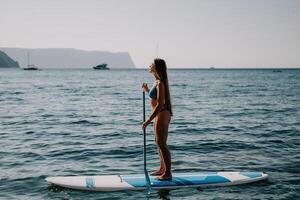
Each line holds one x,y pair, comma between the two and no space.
6,61
69,58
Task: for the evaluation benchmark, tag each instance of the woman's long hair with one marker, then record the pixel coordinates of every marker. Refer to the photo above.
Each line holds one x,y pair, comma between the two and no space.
161,68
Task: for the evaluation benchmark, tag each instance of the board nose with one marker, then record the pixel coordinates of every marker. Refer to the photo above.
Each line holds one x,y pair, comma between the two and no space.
49,179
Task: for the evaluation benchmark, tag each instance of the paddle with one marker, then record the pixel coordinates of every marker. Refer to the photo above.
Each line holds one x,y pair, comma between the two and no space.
148,183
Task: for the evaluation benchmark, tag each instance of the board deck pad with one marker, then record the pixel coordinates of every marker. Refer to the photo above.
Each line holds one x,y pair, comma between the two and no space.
137,182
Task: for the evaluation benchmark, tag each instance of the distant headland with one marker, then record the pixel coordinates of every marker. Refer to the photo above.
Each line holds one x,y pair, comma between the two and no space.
7,62
67,58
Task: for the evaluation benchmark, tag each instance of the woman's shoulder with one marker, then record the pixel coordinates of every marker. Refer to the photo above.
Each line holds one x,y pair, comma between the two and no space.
159,83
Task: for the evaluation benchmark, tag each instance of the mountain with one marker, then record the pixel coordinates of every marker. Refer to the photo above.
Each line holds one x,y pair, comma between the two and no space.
69,58
6,61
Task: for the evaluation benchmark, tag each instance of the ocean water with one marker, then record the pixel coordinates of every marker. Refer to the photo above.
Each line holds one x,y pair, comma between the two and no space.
86,122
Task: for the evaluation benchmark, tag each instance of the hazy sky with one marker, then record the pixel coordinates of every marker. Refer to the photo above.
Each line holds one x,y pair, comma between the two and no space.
190,33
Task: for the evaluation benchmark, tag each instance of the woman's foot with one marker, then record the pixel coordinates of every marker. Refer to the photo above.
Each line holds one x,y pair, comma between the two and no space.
157,173
164,177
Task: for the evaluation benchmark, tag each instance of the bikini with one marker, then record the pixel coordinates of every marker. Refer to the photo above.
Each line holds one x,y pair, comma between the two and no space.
153,95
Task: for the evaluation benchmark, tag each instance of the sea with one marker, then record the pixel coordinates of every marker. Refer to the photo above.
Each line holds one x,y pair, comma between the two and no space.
66,122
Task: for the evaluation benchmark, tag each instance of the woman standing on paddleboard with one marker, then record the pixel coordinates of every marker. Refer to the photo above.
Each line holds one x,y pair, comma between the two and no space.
161,113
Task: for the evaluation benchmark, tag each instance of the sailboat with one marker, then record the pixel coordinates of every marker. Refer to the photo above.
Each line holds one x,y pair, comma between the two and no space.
30,66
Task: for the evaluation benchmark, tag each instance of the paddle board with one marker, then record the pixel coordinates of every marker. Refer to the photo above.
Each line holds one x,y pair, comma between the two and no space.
137,182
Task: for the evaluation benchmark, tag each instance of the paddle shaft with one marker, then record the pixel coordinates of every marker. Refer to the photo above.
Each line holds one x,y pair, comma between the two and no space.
145,152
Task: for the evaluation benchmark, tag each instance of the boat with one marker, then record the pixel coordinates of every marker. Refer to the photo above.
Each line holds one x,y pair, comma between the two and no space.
30,66
101,66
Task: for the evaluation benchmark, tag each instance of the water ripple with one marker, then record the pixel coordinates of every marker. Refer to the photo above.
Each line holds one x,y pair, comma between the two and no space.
76,122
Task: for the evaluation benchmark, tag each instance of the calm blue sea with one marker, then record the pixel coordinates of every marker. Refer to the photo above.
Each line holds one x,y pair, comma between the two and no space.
86,122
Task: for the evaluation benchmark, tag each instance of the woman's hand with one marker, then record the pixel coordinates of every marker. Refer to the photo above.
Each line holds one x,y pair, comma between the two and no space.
145,124
145,87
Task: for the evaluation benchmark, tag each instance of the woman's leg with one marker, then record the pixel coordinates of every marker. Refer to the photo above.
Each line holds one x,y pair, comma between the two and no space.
162,125
161,169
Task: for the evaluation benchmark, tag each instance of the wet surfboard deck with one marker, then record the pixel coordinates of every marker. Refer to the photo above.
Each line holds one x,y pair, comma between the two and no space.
137,182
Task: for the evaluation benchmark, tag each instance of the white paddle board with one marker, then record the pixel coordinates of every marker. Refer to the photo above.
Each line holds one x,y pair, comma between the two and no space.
137,182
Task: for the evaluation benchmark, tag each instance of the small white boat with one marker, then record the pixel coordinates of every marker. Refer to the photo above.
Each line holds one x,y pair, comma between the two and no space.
102,66
30,66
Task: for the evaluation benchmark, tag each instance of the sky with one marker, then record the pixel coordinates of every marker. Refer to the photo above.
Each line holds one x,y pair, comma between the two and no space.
186,33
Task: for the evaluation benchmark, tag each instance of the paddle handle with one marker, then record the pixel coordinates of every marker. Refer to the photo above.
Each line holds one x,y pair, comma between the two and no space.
144,108
145,148
148,183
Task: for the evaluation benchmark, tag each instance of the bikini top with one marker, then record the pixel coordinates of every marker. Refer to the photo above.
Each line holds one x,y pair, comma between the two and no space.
153,92
153,95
